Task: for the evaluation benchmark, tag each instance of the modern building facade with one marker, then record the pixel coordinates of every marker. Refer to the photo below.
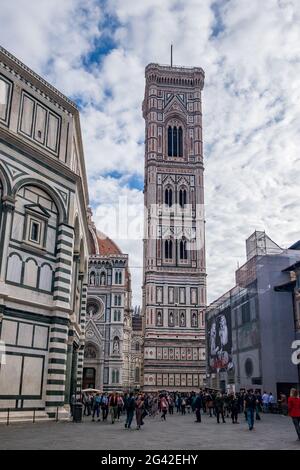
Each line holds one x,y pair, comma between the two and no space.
292,288
251,328
43,242
108,328
174,288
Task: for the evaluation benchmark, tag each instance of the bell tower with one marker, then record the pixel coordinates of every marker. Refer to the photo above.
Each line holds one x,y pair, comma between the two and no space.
174,288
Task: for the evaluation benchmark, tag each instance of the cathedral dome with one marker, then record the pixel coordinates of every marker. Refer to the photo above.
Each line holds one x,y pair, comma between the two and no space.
102,245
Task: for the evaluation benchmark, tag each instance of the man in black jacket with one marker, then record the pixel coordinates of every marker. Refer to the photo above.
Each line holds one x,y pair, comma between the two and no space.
250,403
129,407
198,406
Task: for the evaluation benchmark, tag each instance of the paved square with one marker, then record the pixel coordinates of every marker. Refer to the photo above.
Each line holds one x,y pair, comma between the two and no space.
178,432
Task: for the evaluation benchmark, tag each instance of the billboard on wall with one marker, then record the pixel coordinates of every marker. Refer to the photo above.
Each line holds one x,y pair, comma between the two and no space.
219,337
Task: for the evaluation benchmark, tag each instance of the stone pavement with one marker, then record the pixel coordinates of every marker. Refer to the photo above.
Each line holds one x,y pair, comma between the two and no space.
177,433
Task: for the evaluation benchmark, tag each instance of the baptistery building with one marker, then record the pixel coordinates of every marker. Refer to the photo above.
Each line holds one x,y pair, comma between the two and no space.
43,243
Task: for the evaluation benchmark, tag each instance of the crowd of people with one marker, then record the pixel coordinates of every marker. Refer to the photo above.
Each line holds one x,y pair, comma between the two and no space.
221,406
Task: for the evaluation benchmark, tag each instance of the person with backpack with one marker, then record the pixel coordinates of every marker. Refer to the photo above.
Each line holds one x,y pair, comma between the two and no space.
129,407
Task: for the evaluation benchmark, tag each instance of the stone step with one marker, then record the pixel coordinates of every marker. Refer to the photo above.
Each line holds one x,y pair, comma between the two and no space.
23,416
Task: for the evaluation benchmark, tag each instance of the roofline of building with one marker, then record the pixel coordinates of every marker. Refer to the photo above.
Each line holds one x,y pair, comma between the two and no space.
174,68
39,81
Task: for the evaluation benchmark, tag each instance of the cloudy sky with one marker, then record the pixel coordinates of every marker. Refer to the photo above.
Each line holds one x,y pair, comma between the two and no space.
95,52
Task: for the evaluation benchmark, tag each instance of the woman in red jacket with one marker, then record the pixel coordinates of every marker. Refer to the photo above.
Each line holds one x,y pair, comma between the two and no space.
294,409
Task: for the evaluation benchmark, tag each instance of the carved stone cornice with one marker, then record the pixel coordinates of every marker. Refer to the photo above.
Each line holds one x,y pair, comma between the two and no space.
8,203
192,76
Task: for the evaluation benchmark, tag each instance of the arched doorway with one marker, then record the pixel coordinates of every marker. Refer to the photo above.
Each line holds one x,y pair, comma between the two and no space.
89,377
92,367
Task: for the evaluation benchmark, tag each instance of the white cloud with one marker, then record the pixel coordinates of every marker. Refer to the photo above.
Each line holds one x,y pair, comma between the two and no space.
250,103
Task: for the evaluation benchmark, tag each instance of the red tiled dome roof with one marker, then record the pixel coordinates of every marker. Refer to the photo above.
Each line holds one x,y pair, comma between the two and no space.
106,245
102,245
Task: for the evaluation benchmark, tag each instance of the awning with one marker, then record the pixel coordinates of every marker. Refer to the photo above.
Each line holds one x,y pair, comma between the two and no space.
293,267
287,287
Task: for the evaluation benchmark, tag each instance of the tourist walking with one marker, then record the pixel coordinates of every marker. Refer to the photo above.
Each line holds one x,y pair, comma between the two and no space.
129,407
258,406
249,408
96,407
87,404
219,407
113,407
183,405
283,404
120,407
139,411
178,404
294,409
154,406
265,401
163,407
234,407
104,406
209,403
271,402
171,405
198,405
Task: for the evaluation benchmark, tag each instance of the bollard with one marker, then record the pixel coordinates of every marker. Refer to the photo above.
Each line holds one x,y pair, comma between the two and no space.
57,414
7,421
33,416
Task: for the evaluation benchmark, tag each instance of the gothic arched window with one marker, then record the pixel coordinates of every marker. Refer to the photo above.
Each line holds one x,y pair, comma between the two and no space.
137,346
170,142
168,249
115,376
175,141
137,374
180,142
117,315
169,197
182,197
183,250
